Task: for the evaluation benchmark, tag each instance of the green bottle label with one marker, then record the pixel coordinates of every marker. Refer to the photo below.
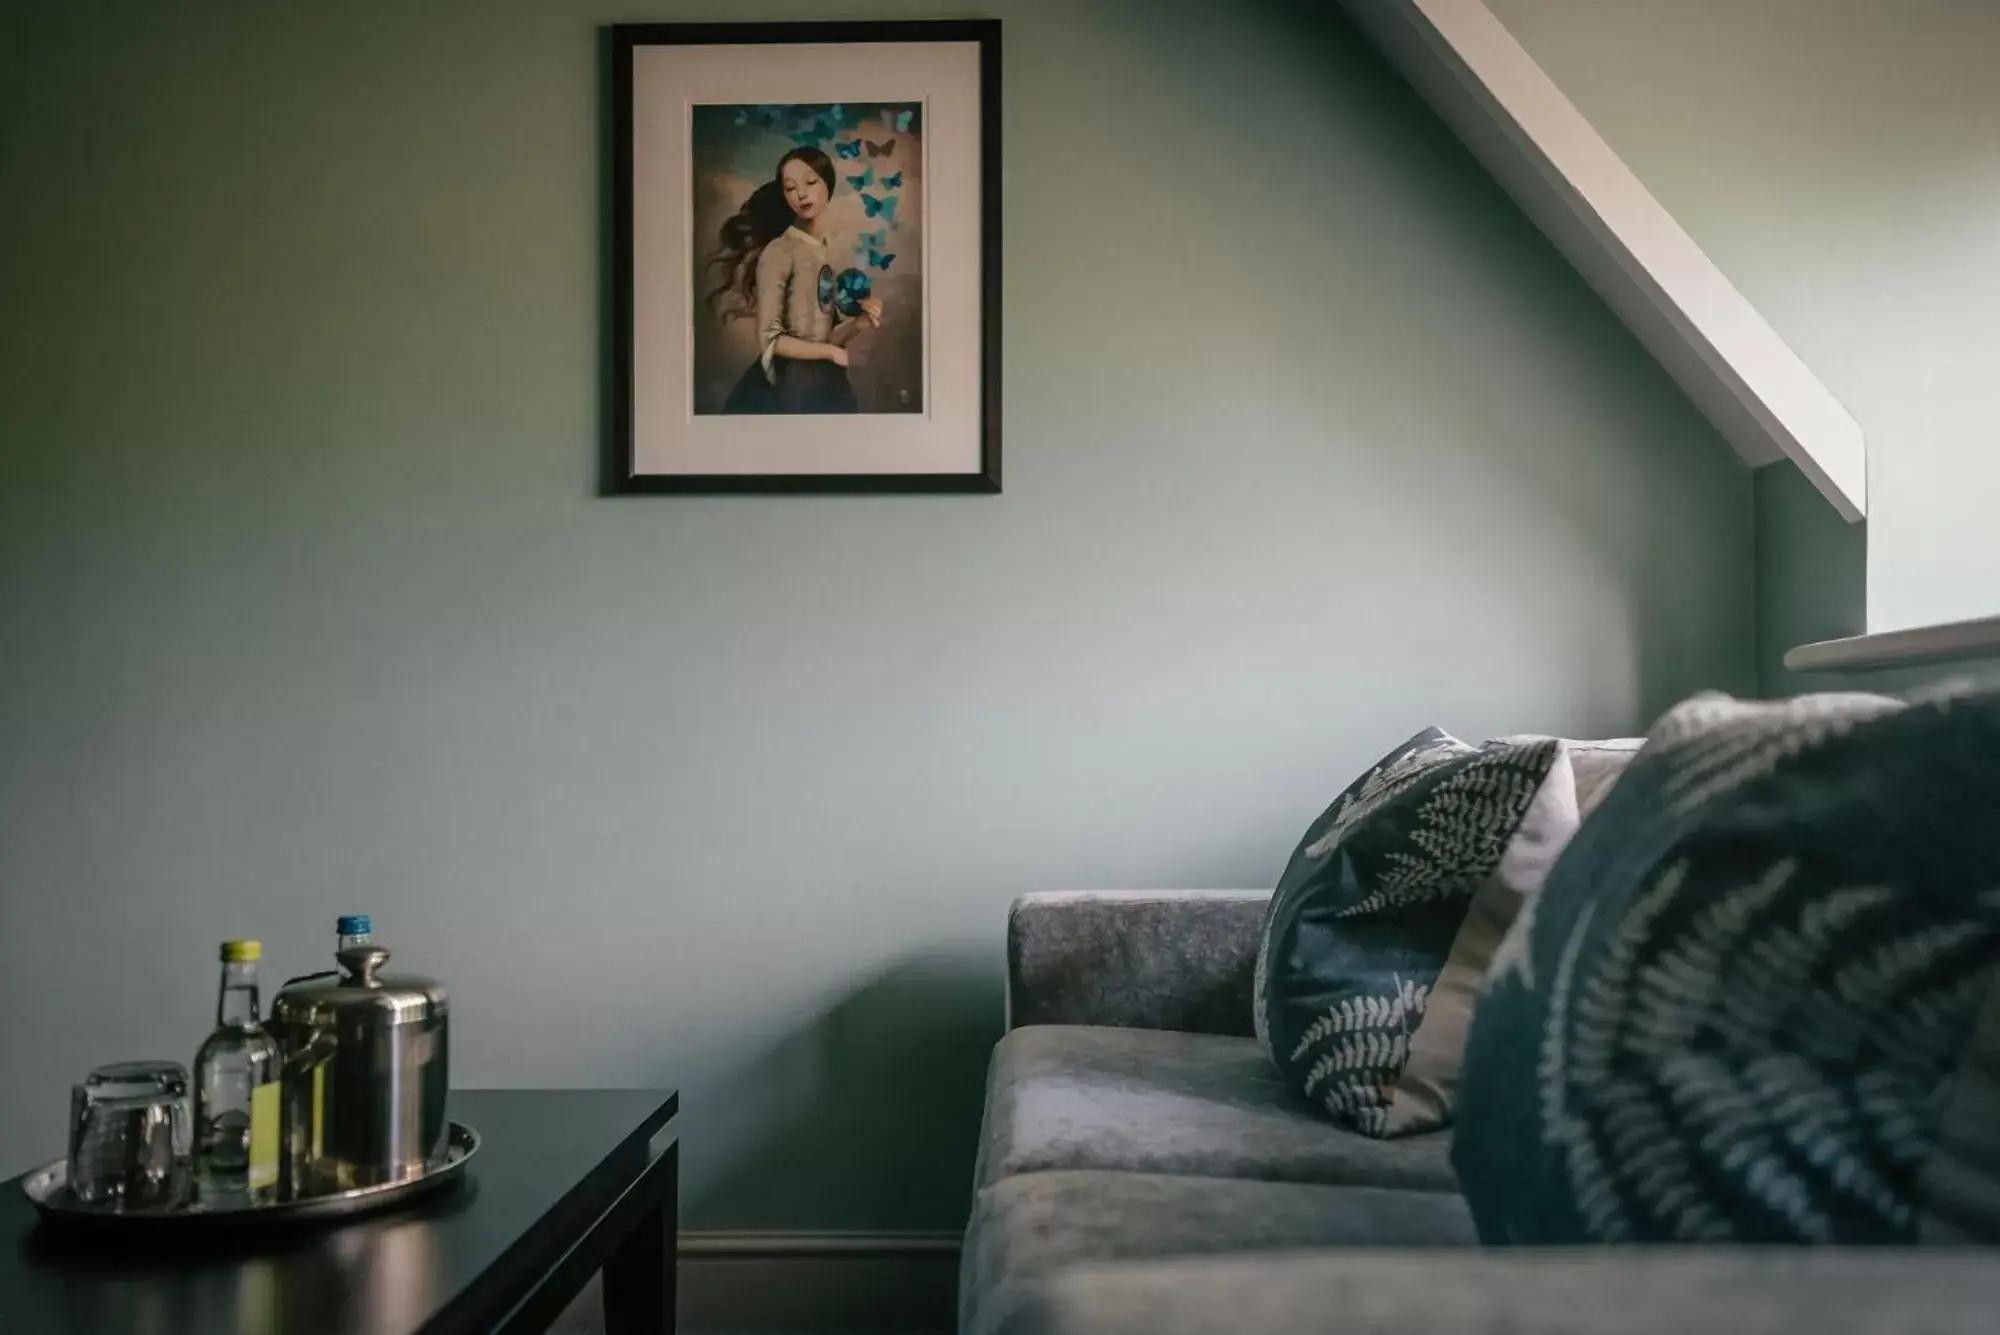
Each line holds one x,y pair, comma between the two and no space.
264,1135
319,1112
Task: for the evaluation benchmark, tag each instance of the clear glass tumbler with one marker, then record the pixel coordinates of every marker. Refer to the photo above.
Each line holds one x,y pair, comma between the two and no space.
130,1131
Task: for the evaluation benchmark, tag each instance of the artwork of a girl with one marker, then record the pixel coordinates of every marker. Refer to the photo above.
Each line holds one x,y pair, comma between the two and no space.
774,267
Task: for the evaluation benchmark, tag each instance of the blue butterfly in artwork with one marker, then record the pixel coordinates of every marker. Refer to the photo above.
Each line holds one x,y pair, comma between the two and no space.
899,121
878,237
876,259
893,182
742,115
866,178
806,138
850,149
884,209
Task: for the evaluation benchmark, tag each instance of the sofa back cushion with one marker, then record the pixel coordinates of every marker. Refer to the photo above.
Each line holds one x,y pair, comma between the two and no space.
1747,1004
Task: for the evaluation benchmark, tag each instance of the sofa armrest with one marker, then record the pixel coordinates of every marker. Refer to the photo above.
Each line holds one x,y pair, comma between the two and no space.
1601,1291
1135,959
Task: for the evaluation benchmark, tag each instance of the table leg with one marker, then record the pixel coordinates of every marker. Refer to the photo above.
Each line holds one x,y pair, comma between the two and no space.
639,1277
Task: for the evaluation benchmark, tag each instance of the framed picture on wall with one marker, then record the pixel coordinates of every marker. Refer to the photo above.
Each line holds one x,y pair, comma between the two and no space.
807,256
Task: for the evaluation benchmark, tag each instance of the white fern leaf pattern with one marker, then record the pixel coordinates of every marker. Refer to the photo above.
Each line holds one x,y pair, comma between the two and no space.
1462,829
1422,830
1761,737
1363,1043
1753,985
1382,785
1352,1014
1561,1127
1769,1051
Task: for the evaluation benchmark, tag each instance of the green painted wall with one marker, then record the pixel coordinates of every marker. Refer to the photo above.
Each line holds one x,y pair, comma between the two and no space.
308,602
1812,571
1839,160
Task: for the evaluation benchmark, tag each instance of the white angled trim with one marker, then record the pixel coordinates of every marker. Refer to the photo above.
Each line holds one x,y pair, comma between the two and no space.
1742,376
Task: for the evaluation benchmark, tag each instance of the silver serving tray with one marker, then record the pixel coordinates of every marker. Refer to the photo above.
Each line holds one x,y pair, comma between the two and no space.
48,1189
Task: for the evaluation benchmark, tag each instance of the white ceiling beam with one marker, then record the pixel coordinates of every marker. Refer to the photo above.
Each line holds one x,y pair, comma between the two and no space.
1753,387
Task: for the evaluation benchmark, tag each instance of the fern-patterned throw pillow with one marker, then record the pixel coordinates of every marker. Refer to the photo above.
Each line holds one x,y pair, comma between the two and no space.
1382,926
1756,1000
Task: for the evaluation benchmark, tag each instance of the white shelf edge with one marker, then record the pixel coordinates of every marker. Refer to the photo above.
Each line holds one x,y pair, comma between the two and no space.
1947,642
1534,141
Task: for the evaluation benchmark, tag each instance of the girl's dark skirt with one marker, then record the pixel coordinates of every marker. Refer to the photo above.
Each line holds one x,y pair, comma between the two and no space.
801,387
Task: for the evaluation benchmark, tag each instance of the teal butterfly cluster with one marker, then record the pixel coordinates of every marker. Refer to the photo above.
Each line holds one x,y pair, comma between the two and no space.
871,247
806,126
845,130
879,188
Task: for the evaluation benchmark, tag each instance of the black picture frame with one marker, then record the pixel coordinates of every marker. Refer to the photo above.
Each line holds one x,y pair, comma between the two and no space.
624,41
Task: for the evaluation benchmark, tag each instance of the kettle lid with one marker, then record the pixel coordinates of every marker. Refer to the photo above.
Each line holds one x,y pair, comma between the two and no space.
362,988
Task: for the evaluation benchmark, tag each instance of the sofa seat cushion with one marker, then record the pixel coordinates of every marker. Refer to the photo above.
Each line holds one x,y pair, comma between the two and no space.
1025,1227
1150,1101
1549,1291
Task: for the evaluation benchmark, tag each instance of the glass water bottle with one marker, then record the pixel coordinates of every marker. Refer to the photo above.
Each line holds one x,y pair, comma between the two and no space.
236,1087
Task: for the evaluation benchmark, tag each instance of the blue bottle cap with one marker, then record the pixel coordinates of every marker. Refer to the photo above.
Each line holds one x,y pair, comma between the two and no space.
353,924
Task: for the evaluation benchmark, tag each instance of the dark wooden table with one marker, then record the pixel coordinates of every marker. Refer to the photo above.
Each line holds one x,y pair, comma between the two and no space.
566,1183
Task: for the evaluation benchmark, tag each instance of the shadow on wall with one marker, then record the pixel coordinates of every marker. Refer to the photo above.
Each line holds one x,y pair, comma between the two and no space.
877,1109
1656,642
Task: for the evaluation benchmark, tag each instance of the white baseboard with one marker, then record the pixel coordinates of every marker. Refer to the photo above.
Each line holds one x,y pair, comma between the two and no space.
743,1281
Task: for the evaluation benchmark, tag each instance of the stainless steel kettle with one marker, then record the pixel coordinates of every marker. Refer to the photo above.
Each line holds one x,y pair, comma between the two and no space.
363,1076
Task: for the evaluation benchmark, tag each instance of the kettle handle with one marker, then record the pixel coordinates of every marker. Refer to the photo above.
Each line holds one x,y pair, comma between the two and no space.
316,1050
299,1110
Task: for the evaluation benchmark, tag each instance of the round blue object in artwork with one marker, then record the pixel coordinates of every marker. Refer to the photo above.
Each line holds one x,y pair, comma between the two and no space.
850,290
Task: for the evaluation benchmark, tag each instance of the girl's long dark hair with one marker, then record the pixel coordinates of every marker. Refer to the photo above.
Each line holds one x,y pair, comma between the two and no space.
762,219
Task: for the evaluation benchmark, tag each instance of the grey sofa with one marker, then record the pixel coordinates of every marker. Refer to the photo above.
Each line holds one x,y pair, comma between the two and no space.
1142,1167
